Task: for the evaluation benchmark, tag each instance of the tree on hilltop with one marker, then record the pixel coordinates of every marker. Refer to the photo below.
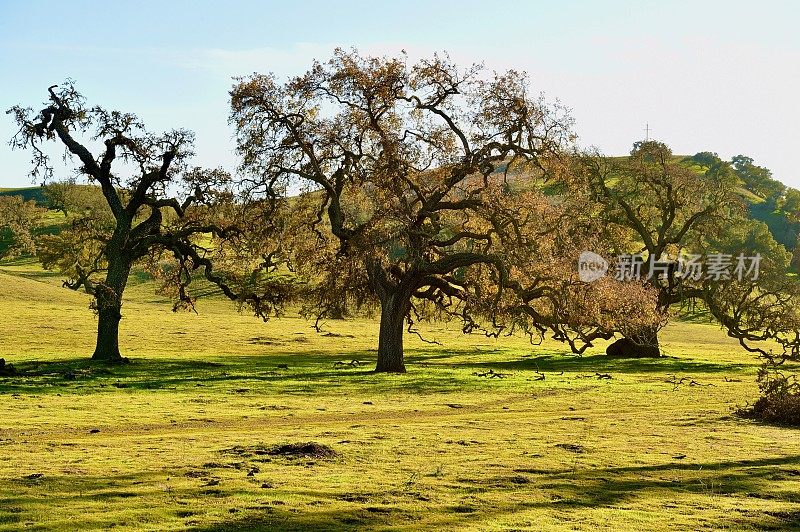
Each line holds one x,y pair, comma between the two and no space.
18,221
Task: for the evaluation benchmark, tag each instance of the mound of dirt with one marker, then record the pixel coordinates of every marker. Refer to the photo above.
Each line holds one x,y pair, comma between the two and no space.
287,450
303,450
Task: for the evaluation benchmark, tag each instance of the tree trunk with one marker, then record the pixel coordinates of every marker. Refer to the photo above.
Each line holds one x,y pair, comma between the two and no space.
643,344
646,341
107,349
108,298
390,341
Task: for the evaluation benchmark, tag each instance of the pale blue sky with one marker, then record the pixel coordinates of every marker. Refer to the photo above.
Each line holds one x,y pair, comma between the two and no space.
707,75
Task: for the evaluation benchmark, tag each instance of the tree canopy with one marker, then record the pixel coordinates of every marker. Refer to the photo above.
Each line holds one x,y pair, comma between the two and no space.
407,165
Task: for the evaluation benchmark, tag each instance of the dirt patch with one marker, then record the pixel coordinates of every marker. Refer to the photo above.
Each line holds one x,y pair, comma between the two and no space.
264,340
303,450
287,450
572,447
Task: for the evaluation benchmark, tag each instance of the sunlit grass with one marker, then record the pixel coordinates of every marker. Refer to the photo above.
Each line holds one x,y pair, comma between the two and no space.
151,444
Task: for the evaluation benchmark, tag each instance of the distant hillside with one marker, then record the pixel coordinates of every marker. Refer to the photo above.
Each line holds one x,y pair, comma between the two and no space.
51,222
27,193
765,211
766,197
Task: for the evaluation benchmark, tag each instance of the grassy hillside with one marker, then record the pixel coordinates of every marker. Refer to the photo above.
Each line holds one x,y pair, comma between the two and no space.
782,231
27,193
180,438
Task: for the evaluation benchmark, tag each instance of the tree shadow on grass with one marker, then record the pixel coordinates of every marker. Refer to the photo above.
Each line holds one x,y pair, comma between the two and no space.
313,371
666,485
568,492
663,488
307,372
143,493
167,373
604,363
276,518
34,273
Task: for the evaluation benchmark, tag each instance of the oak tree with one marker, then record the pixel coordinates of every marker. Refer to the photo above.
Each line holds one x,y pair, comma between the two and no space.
762,312
402,169
664,208
678,216
155,204
545,293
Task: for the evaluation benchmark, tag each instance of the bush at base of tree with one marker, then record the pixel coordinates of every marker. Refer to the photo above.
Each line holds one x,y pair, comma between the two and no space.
780,399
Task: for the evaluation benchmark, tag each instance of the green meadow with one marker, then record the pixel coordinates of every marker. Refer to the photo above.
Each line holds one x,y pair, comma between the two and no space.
188,435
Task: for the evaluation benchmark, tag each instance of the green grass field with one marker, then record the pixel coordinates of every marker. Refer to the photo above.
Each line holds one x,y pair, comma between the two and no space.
180,437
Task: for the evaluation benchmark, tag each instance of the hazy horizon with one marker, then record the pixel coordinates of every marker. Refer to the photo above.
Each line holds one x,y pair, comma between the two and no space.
718,76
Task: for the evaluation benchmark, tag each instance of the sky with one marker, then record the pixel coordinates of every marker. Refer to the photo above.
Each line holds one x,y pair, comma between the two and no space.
720,76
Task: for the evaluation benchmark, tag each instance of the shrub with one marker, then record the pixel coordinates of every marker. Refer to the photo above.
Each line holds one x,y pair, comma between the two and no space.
780,398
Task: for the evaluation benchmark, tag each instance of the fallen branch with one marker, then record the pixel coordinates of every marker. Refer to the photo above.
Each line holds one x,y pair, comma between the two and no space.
492,374
341,363
677,382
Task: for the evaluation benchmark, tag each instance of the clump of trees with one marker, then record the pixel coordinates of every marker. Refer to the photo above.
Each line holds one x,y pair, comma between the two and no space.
773,203
19,220
758,179
421,181
71,198
416,192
